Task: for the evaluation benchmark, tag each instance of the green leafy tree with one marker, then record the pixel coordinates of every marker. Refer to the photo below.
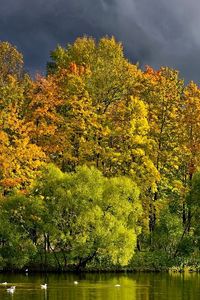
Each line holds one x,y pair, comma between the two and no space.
19,229
88,216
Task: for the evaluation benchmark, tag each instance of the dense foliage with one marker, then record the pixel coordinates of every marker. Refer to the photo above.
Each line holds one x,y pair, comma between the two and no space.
99,162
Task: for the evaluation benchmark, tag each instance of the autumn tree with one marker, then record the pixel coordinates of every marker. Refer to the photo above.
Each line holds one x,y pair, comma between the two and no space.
112,75
190,142
162,93
118,127
11,62
19,158
63,117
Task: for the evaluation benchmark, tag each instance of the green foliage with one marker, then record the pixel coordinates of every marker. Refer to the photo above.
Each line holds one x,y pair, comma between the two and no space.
85,216
16,244
167,233
157,260
90,215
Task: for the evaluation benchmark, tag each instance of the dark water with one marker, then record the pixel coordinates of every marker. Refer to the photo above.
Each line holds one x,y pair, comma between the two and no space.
102,287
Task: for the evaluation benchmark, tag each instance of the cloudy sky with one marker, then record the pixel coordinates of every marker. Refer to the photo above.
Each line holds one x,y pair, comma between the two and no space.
153,32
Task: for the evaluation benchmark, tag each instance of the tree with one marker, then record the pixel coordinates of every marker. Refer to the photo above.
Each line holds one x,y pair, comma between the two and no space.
88,216
193,202
113,118
190,122
11,62
162,92
19,158
19,218
64,119
112,76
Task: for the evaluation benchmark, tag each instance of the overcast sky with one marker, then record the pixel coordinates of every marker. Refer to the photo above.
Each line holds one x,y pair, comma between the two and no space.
153,32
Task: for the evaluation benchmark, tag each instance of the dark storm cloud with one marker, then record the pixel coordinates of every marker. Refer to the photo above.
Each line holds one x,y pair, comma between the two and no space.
155,32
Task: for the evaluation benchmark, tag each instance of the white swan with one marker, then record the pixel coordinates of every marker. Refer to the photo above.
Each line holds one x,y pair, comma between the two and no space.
43,286
11,289
117,285
75,282
4,283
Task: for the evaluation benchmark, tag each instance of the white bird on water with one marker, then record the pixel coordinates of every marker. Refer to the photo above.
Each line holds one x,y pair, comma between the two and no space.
75,282
11,289
43,286
4,283
117,285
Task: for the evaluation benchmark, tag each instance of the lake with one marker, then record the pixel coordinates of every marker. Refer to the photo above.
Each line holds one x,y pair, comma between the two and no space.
138,286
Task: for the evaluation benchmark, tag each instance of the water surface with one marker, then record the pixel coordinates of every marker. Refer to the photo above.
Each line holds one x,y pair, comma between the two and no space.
138,286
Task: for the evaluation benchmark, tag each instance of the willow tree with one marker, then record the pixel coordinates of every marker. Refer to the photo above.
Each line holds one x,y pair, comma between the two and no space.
89,217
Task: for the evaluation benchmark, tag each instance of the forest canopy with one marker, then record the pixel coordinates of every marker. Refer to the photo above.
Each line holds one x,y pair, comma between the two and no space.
99,161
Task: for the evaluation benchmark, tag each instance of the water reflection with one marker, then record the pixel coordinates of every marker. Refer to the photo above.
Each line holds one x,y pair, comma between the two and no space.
138,286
